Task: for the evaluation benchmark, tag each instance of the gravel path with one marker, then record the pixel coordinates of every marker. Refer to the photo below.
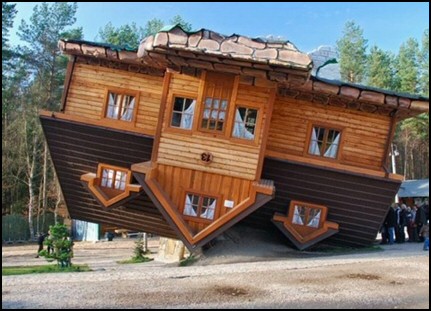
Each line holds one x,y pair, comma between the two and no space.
397,277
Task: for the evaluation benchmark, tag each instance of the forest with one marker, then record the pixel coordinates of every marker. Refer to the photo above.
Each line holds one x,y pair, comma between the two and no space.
33,74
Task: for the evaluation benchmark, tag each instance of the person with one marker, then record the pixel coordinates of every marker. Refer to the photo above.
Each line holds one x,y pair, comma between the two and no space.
425,233
391,220
40,241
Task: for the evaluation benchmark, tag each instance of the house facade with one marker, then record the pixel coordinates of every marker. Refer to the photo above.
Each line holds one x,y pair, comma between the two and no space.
197,131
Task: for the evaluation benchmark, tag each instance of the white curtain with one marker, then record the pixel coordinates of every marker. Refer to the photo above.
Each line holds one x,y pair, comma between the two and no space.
297,219
113,106
314,218
209,213
188,208
314,146
331,152
239,129
187,116
128,107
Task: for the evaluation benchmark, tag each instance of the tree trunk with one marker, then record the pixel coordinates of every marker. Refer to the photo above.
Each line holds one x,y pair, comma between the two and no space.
44,182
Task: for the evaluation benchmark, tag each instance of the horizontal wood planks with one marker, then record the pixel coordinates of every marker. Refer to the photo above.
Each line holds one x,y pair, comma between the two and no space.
176,181
357,203
363,139
89,84
77,149
230,157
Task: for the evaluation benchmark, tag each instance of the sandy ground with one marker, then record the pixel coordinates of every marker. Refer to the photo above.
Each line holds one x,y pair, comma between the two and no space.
274,277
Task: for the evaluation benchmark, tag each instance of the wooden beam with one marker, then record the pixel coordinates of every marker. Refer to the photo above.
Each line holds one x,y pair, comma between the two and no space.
67,80
166,82
388,143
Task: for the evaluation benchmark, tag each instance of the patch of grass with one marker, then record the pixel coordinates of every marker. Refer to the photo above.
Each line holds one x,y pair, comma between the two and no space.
17,270
188,261
135,260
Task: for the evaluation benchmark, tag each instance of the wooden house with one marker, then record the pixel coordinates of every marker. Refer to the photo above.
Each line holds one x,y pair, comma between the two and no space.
197,131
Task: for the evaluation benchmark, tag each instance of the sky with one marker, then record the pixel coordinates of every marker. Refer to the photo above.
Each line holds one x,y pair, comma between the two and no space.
307,25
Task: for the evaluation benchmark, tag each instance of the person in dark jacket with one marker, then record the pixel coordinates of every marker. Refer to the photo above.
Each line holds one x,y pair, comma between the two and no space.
40,241
391,221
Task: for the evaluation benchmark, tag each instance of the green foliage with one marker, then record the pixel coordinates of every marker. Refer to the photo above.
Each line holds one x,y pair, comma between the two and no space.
380,69
153,26
18,270
425,64
407,66
139,253
8,13
125,35
352,52
188,261
135,260
178,20
60,244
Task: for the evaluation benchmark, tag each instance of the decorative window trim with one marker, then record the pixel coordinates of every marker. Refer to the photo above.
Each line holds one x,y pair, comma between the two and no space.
170,111
327,127
94,185
213,77
201,196
121,92
292,214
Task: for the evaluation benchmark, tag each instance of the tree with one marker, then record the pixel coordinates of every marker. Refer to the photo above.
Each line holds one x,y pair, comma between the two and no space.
125,35
153,26
61,244
407,66
178,20
44,69
8,13
425,64
352,53
380,69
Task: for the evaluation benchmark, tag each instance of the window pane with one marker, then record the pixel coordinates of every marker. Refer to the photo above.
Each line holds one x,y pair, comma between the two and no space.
179,104
332,143
176,119
189,208
127,108
245,123
113,106
299,215
314,218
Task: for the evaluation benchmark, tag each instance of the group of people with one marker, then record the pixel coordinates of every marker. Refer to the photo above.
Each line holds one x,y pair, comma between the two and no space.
400,217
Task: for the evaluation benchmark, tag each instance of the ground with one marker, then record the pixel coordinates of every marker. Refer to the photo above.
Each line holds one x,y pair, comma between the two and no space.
396,277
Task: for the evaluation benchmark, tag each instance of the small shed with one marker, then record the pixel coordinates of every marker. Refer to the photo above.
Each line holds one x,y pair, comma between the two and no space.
414,191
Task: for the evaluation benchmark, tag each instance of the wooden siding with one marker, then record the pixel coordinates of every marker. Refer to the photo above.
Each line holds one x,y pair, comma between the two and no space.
88,88
77,149
363,139
357,203
175,181
231,156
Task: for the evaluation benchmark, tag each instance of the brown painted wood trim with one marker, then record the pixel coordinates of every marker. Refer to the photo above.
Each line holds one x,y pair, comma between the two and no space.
327,127
67,81
163,101
391,135
141,179
265,133
230,120
121,126
121,92
131,196
302,246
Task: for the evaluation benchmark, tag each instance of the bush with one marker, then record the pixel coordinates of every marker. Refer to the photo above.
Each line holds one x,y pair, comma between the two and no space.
60,246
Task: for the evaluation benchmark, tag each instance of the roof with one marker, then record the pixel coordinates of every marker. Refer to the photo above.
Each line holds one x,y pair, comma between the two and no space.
414,188
280,62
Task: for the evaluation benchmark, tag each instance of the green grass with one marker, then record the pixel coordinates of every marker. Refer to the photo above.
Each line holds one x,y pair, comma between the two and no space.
17,270
135,260
188,261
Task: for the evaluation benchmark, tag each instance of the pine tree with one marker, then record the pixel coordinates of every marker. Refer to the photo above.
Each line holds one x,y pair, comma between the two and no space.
407,66
153,26
178,20
352,53
380,69
128,35
425,63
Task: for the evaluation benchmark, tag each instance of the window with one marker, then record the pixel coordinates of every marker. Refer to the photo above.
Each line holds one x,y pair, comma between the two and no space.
216,97
306,216
120,106
324,142
245,123
182,113
114,179
200,206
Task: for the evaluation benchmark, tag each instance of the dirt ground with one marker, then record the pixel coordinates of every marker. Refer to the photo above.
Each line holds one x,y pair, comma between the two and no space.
397,277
